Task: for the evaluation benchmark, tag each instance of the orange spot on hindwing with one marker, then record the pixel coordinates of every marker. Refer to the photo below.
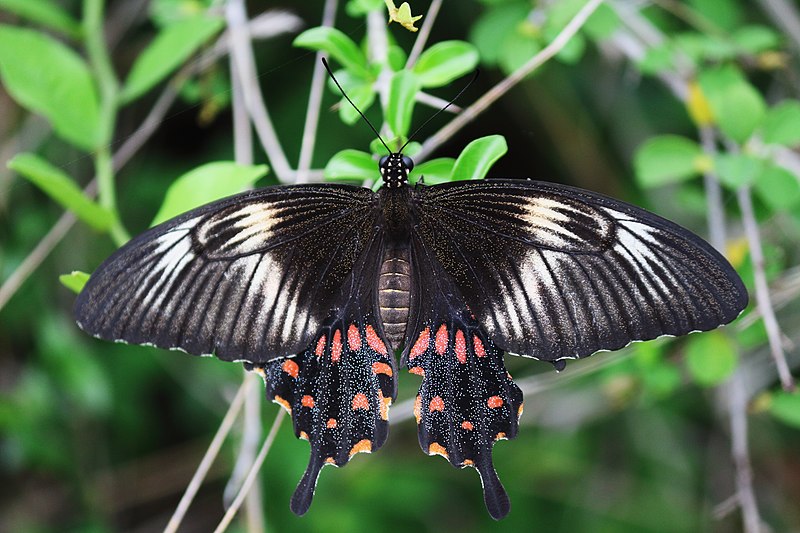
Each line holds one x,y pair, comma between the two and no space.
494,402
336,346
307,401
418,370
479,349
421,346
437,404
467,425
362,446
441,340
360,401
437,449
381,368
354,338
374,341
291,368
461,347
320,347
332,423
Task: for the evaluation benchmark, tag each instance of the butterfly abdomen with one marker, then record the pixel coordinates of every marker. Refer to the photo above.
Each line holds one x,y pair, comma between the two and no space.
394,285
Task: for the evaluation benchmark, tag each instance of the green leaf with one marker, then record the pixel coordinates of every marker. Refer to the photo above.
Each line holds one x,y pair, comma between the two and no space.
782,124
363,96
338,45
351,165
207,183
657,59
60,187
710,358
494,27
785,406
602,23
74,281
756,39
778,188
478,157
667,159
434,171
44,12
443,62
738,170
170,48
516,50
738,107
46,77
400,102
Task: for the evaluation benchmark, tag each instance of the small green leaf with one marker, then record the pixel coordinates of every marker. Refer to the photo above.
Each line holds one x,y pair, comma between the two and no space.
74,281
756,39
478,157
602,23
363,96
494,26
738,107
400,102
432,172
60,187
352,165
338,45
785,406
170,48
516,50
778,188
44,12
666,159
710,358
782,124
738,170
657,59
48,78
207,183
443,62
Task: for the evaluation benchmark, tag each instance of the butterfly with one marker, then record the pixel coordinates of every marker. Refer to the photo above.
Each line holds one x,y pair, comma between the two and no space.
316,287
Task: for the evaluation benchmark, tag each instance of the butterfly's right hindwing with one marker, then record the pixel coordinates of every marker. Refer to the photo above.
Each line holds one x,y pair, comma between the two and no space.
251,277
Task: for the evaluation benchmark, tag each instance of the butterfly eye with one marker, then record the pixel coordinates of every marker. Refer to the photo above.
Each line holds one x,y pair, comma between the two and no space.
408,163
382,161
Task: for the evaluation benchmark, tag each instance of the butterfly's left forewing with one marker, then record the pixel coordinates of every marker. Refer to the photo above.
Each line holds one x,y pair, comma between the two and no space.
251,277
553,272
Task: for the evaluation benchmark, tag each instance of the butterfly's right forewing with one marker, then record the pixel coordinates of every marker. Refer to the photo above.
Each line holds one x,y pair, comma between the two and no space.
251,277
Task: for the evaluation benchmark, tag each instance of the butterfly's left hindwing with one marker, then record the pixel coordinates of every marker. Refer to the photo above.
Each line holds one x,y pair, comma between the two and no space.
557,273
338,391
251,277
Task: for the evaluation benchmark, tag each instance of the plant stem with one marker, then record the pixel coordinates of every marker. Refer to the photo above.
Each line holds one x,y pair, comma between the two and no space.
100,62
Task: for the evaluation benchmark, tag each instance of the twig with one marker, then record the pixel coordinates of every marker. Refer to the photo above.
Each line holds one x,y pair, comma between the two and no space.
762,289
424,33
242,52
208,459
314,103
262,454
514,78
785,16
713,190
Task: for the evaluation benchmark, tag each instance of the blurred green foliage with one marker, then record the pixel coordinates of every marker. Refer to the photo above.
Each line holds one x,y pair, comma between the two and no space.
103,437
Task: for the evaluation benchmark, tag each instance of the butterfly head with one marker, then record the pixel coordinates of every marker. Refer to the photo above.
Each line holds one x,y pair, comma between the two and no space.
395,168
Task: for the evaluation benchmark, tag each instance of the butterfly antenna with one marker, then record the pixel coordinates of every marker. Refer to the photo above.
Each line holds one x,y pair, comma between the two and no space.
451,102
330,73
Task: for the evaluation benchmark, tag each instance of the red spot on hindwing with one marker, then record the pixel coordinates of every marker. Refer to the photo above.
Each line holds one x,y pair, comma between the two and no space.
320,347
421,346
332,423
440,343
336,346
354,338
479,350
307,401
291,368
360,401
461,347
418,370
467,425
375,342
437,404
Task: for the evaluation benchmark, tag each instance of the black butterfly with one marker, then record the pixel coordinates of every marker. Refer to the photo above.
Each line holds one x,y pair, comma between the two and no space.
314,286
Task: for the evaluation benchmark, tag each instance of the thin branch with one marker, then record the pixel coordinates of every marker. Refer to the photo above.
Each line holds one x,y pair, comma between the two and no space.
314,102
424,33
208,459
715,212
242,53
785,16
513,79
762,289
262,454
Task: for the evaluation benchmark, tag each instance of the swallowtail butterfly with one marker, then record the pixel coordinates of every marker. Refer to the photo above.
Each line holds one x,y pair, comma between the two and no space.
315,286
